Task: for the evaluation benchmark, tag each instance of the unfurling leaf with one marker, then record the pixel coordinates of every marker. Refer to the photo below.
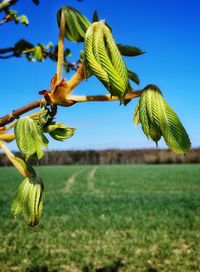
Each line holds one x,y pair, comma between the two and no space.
29,200
30,138
172,129
104,59
95,17
155,132
24,20
158,119
76,24
38,53
129,51
59,131
134,77
136,117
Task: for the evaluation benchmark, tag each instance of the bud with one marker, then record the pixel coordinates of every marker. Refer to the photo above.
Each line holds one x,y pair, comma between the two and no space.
59,131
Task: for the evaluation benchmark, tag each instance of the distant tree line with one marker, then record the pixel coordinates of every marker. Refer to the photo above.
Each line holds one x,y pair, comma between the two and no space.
113,156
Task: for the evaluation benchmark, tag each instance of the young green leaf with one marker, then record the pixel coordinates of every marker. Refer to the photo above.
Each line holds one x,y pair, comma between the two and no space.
129,51
158,119
76,24
24,20
134,77
95,17
29,200
59,131
30,138
172,129
143,113
136,117
155,132
104,59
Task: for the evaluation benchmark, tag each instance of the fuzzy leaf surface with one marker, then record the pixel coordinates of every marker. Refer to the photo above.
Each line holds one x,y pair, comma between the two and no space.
30,138
29,200
76,24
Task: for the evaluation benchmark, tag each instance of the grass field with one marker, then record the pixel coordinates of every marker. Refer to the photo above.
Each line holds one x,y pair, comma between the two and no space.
106,219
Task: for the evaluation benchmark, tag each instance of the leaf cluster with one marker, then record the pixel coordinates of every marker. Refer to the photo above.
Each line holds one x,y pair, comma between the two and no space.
159,119
29,200
12,15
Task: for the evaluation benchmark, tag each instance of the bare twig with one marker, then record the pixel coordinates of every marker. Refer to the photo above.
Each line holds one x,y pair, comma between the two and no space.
8,118
7,50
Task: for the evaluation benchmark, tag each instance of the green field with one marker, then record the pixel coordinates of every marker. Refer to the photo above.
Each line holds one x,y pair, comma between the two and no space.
106,219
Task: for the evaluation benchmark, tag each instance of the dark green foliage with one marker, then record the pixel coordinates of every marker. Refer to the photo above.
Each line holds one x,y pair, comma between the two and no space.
95,17
129,51
134,77
20,46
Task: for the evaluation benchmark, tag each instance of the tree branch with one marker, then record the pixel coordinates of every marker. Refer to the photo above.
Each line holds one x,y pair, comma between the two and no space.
71,100
7,50
102,98
8,118
6,3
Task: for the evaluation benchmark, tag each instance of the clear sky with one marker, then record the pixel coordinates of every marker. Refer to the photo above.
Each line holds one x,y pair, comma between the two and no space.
169,33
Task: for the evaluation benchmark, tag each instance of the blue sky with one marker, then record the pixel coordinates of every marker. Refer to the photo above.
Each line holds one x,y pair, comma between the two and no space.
169,33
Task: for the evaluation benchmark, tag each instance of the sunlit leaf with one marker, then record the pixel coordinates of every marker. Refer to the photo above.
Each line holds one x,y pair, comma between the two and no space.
30,138
29,200
76,24
104,59
159,119
59,131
